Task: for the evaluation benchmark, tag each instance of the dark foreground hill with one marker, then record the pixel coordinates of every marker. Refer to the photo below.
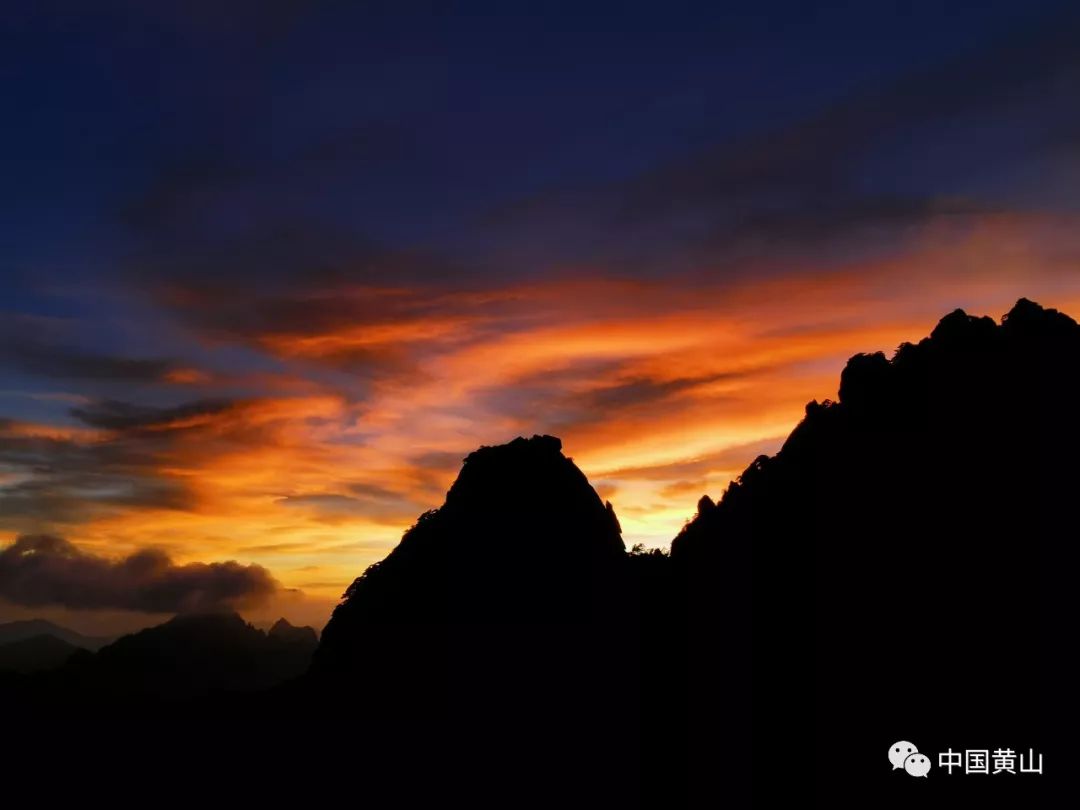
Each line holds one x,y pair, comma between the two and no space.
35,654
522,539
500,626
913,558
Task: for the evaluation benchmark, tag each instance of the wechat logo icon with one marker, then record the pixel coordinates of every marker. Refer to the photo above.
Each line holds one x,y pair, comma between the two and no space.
906,755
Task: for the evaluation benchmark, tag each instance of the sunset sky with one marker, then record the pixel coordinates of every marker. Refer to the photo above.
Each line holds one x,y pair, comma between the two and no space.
270,270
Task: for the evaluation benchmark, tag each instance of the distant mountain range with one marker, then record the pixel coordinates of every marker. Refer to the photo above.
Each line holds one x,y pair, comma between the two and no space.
37,645
186,656
21,630
196,654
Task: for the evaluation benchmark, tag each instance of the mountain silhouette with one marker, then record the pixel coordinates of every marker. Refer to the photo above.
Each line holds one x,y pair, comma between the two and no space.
192,655
286,633
499,622
910,563
522,537
902,568
29,628
35,654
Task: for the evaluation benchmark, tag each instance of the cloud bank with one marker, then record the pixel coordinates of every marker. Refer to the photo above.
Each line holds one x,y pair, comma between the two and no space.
41,570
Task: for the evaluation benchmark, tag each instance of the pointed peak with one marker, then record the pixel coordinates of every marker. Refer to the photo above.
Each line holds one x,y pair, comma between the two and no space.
1025,308
1026,316
284,630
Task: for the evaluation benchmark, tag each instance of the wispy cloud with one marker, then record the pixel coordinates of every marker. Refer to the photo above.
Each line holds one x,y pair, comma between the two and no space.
289,386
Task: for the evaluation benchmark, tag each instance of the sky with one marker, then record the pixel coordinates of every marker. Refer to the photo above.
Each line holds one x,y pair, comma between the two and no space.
270,270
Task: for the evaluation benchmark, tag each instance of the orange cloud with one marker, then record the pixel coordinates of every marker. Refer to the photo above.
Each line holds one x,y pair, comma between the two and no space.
662,390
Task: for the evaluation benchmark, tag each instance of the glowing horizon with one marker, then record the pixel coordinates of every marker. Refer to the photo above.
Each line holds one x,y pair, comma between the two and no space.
261,297
659,396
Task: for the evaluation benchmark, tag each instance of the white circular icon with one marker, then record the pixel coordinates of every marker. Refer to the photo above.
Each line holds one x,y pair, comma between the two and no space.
899,752
917,764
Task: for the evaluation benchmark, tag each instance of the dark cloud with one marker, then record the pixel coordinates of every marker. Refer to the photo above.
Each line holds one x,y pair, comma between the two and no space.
186,193
115,415
811,183
64,362
73,497
280,252
570,398
644,391
279,271
365,490
138,457
40,570
439,460
66,479
383,324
